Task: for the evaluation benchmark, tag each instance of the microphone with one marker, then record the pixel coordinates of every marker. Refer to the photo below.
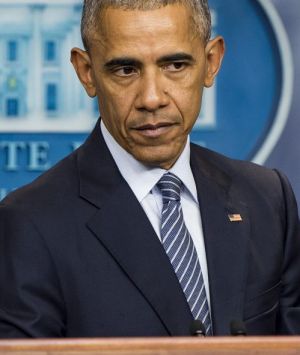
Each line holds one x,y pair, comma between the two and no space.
237,328
197,328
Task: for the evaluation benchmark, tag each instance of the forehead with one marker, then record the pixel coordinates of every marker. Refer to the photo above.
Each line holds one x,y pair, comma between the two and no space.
169,26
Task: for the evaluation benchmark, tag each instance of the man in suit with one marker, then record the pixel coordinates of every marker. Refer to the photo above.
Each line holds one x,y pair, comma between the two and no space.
83,248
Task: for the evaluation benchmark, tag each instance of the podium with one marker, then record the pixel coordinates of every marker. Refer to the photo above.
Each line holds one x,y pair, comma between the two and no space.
155,346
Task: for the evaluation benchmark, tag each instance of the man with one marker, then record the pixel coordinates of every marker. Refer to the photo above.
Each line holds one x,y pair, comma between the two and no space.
139,232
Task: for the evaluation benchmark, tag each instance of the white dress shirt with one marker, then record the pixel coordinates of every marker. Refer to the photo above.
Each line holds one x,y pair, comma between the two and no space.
142,180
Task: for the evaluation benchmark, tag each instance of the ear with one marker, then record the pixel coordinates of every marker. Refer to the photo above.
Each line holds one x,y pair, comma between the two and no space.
82,65
214,52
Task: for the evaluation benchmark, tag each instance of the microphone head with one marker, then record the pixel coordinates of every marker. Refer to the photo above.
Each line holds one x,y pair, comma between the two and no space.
197,328
237,327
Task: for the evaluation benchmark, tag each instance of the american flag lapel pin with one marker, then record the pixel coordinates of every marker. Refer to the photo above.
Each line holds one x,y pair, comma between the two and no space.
235,217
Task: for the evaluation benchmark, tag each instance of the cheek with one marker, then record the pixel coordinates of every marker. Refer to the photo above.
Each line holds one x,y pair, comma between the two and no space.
188,100
114,106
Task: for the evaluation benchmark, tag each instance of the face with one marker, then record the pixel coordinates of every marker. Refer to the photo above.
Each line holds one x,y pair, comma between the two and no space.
148,70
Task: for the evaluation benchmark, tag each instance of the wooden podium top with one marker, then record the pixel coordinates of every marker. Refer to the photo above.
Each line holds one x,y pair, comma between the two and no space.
155,346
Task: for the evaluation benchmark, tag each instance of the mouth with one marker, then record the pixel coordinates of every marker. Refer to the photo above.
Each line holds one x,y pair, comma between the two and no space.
154,130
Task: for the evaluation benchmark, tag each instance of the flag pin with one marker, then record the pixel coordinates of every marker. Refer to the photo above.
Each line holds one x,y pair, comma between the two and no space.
235,217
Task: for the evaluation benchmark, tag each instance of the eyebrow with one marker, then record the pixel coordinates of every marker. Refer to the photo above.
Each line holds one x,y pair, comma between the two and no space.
122,62
176,57
132,62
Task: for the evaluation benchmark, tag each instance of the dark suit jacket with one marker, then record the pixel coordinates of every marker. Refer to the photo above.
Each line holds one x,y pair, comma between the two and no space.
78,256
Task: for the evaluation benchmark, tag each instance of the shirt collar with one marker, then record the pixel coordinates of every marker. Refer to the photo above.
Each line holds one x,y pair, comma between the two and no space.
142,178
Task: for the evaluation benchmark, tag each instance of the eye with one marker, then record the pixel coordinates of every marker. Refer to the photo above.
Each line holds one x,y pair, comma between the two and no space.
175,66
125,71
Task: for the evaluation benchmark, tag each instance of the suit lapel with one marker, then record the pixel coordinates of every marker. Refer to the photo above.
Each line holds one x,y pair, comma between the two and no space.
225,241
129,237
121,225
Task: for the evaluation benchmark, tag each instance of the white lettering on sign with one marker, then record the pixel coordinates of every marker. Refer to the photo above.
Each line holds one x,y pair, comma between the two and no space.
36,154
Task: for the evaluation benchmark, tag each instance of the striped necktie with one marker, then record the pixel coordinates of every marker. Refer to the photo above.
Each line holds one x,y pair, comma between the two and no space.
181,251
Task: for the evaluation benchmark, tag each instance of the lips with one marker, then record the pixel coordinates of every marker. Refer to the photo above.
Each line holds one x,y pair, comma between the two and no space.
154,130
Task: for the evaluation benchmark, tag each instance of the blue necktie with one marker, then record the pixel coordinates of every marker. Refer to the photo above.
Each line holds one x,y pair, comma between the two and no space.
181,251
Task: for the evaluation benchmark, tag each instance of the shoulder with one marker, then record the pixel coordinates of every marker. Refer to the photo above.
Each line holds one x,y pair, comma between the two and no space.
248,178
232,167
47,190
46,212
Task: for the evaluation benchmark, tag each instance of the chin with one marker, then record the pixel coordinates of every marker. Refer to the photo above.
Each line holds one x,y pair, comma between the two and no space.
157,159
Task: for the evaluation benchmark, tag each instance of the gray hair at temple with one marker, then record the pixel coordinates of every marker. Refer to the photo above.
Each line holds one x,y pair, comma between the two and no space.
92,9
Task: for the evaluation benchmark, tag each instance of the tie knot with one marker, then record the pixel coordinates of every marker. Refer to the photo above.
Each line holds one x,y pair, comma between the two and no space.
170,186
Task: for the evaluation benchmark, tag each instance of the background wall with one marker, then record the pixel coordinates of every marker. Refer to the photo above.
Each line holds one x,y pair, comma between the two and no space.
286,154
251,113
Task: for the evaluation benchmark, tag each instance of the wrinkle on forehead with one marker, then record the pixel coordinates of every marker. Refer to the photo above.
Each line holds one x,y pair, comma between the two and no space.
118,25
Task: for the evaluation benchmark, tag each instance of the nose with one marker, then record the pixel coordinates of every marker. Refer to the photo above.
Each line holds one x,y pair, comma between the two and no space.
152,94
